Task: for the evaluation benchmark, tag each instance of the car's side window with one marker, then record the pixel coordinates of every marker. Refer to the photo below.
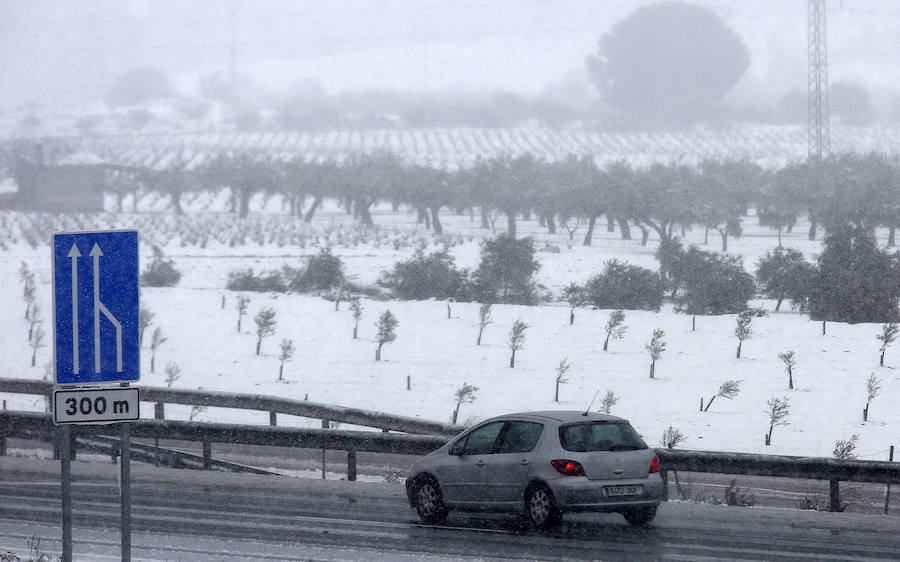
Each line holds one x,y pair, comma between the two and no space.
520,437
457,448
483,440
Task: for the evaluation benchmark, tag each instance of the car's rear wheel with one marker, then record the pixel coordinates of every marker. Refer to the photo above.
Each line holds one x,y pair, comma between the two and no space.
640,516
429,501
540,507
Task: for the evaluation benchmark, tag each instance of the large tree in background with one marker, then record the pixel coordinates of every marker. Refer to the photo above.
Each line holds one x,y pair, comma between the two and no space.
666,63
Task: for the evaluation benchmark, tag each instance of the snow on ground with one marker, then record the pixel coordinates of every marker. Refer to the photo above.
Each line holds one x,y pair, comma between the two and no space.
439,354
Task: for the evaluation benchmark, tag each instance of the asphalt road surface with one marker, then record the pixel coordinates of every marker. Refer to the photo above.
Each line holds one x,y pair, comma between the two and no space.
194,515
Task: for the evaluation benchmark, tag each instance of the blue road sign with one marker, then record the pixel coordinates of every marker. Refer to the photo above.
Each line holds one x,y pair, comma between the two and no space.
95,307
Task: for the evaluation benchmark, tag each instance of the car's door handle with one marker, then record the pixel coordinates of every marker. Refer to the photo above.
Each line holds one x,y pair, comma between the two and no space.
618,471
480,463
524,461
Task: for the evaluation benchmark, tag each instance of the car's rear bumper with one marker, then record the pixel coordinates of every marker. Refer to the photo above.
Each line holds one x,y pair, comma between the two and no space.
581,494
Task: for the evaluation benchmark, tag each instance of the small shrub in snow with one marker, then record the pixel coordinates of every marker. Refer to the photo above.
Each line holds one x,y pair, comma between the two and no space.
561,370
655,348
873,389
846,449
625,286
145,320
516,340
157,340
484,318
609,400
160,272
246,280
743,331
323,272
241,306
173,373
506,270
887,336
672,437
729,390
37,342
385,331
265,325
356,309
287,354
464,395
789,363
614,327
777,410
734,496
424,277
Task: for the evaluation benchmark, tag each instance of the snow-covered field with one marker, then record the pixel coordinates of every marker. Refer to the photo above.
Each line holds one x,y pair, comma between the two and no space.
439,354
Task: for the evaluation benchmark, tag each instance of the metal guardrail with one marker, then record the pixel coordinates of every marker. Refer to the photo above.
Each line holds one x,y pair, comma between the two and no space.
273,405
833,470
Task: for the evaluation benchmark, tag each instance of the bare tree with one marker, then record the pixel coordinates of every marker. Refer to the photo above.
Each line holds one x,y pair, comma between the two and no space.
574,295
516,340
609,400
157,340
35,320
887,336
614,327
265,325
656,347
356,308
671,438
789,363
729,390
26,277
145,320
484,318
561,370
385,331
287,354
873,389
173,373
241,305
778,410
464,395
743,330
846,449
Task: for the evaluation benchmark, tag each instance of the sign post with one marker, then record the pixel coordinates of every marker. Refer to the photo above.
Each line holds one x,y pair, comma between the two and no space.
96,329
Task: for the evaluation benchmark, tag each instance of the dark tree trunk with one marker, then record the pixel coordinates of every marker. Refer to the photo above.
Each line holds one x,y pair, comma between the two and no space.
589,235
708,404
511,224
694,323
308,217
624,228
645,235
823,327
551,224
421,215
355,329
724,234
436,221
175,199
526,215
706,236
891,242
812,230
484,218
258,345
606,342
610,223
740,343
571,317
280,371
364,215
790,379
652,369
243,203
378,353
556,397
779,238
480,331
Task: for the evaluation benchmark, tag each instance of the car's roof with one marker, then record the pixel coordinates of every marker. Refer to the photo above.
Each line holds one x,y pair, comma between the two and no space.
561,416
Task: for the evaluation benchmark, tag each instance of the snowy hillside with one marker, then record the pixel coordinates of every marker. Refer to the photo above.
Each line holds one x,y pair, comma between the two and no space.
439,354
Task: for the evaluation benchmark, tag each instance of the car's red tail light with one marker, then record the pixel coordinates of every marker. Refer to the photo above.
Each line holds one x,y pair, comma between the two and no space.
654,465
567,467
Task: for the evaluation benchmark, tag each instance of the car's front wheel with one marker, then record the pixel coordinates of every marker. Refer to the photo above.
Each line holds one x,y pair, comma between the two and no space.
640,516
429,501
540,507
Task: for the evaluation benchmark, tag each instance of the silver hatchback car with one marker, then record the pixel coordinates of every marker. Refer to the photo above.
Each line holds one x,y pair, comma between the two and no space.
542,464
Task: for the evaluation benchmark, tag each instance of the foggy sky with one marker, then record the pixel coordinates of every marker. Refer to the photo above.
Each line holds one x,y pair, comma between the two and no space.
68,51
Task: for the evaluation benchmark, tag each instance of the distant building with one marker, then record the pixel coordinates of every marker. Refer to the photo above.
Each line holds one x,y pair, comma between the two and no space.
68,186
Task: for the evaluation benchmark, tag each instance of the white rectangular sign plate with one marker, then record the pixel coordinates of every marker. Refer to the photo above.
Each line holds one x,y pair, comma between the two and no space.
96,405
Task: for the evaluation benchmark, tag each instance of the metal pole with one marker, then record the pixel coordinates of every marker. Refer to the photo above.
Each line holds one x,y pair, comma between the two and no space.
887,487
324,426
834,494
125,491
66,471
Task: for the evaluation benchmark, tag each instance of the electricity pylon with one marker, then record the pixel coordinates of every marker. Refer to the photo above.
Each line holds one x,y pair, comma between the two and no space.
818,136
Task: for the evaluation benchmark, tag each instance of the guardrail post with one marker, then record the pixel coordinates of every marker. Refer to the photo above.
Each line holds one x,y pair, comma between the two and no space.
207,455
2,443
887,487
664,474
351,466
273,420
834,494
159,411
325,425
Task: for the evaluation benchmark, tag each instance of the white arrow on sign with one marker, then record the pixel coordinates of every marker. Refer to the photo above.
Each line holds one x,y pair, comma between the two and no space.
99,307
74,254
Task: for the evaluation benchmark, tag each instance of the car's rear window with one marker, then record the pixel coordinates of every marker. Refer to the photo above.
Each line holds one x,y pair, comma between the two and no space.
600,436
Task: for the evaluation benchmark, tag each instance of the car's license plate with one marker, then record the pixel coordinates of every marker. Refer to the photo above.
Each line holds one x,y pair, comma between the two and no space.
610,491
